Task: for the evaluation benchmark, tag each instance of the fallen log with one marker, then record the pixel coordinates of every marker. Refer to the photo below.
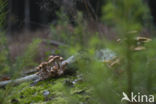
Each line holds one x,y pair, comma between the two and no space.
102,55
34,76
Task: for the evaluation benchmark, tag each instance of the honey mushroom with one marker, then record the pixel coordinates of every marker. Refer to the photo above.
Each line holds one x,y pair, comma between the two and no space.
57,67
59,62
56,60
53,67
143,39
140,41
51,63
50,57
42,65
42,70
50,71
61,66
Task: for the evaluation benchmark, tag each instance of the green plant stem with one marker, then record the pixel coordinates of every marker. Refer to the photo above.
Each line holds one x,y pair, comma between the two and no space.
129,69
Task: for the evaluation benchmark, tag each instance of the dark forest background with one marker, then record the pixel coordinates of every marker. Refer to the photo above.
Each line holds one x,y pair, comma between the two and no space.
32,14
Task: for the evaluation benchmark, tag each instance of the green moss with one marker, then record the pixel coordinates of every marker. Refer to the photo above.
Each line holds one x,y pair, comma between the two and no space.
58,100
59,92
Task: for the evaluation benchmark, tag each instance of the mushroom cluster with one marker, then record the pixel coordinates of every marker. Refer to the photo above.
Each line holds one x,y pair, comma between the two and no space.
52,68
140,43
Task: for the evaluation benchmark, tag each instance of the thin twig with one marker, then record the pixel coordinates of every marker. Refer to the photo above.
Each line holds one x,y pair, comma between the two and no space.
53,42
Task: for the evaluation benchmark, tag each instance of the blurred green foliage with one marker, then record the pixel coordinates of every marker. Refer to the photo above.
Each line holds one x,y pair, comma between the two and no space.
15,68
116,12
27,59
134,72
4,54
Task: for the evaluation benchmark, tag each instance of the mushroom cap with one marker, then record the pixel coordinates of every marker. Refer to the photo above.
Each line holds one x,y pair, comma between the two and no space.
61,58
50,57
139,48
43,64
53,67
56,58
114,62
118,40
50,61
38,68
143,39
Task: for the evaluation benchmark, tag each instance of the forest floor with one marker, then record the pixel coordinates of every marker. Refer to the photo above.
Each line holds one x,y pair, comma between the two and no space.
61,90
